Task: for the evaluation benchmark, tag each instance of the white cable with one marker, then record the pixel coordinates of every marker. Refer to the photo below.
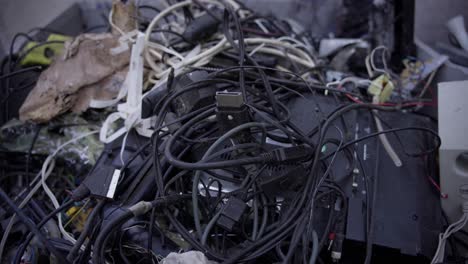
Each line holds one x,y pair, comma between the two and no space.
122,148
203,55
223,44
164,13
256,49
296,42
355,80
114,26
155,20
384,62
46,188
277,42
261,26
149,45
453,228
292,57
46,170
150,48
369,69
164,49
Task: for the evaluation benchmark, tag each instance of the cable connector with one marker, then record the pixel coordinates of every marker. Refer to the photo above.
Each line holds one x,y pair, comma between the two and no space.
231,213
291,154
337,247
80,193
141,208
202,27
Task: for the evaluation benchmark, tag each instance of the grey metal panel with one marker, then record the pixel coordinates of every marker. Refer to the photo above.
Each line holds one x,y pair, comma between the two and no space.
453,130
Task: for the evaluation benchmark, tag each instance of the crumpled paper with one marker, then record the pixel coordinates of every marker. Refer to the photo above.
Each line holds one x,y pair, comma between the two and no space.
87,61
93,66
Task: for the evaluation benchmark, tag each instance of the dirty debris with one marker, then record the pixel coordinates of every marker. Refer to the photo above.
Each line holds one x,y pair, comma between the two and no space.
87,61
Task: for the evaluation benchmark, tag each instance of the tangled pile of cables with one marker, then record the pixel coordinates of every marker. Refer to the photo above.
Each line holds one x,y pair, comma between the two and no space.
228,170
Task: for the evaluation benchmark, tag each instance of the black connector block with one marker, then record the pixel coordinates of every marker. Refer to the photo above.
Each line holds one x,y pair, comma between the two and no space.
102,181
232,112
290,154
203,26
99,186
297,153
231,213
290,179
185,102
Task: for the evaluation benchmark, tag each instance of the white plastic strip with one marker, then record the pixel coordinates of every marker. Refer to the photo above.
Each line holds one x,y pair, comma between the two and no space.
113,184
130,111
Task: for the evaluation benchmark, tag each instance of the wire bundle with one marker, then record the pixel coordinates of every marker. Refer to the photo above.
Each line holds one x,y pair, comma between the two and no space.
198,167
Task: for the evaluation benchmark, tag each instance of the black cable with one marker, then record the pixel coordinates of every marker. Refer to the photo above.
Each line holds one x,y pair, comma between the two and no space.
309,185
86,230
173,33
12,46
84,257
24,245
31,226
28,157
266,97
47,30
428,130
370,236
11,74
106,232
30,236
116,223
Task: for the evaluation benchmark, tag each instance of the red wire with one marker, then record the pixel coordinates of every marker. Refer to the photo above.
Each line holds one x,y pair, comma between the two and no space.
443,195
354,99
